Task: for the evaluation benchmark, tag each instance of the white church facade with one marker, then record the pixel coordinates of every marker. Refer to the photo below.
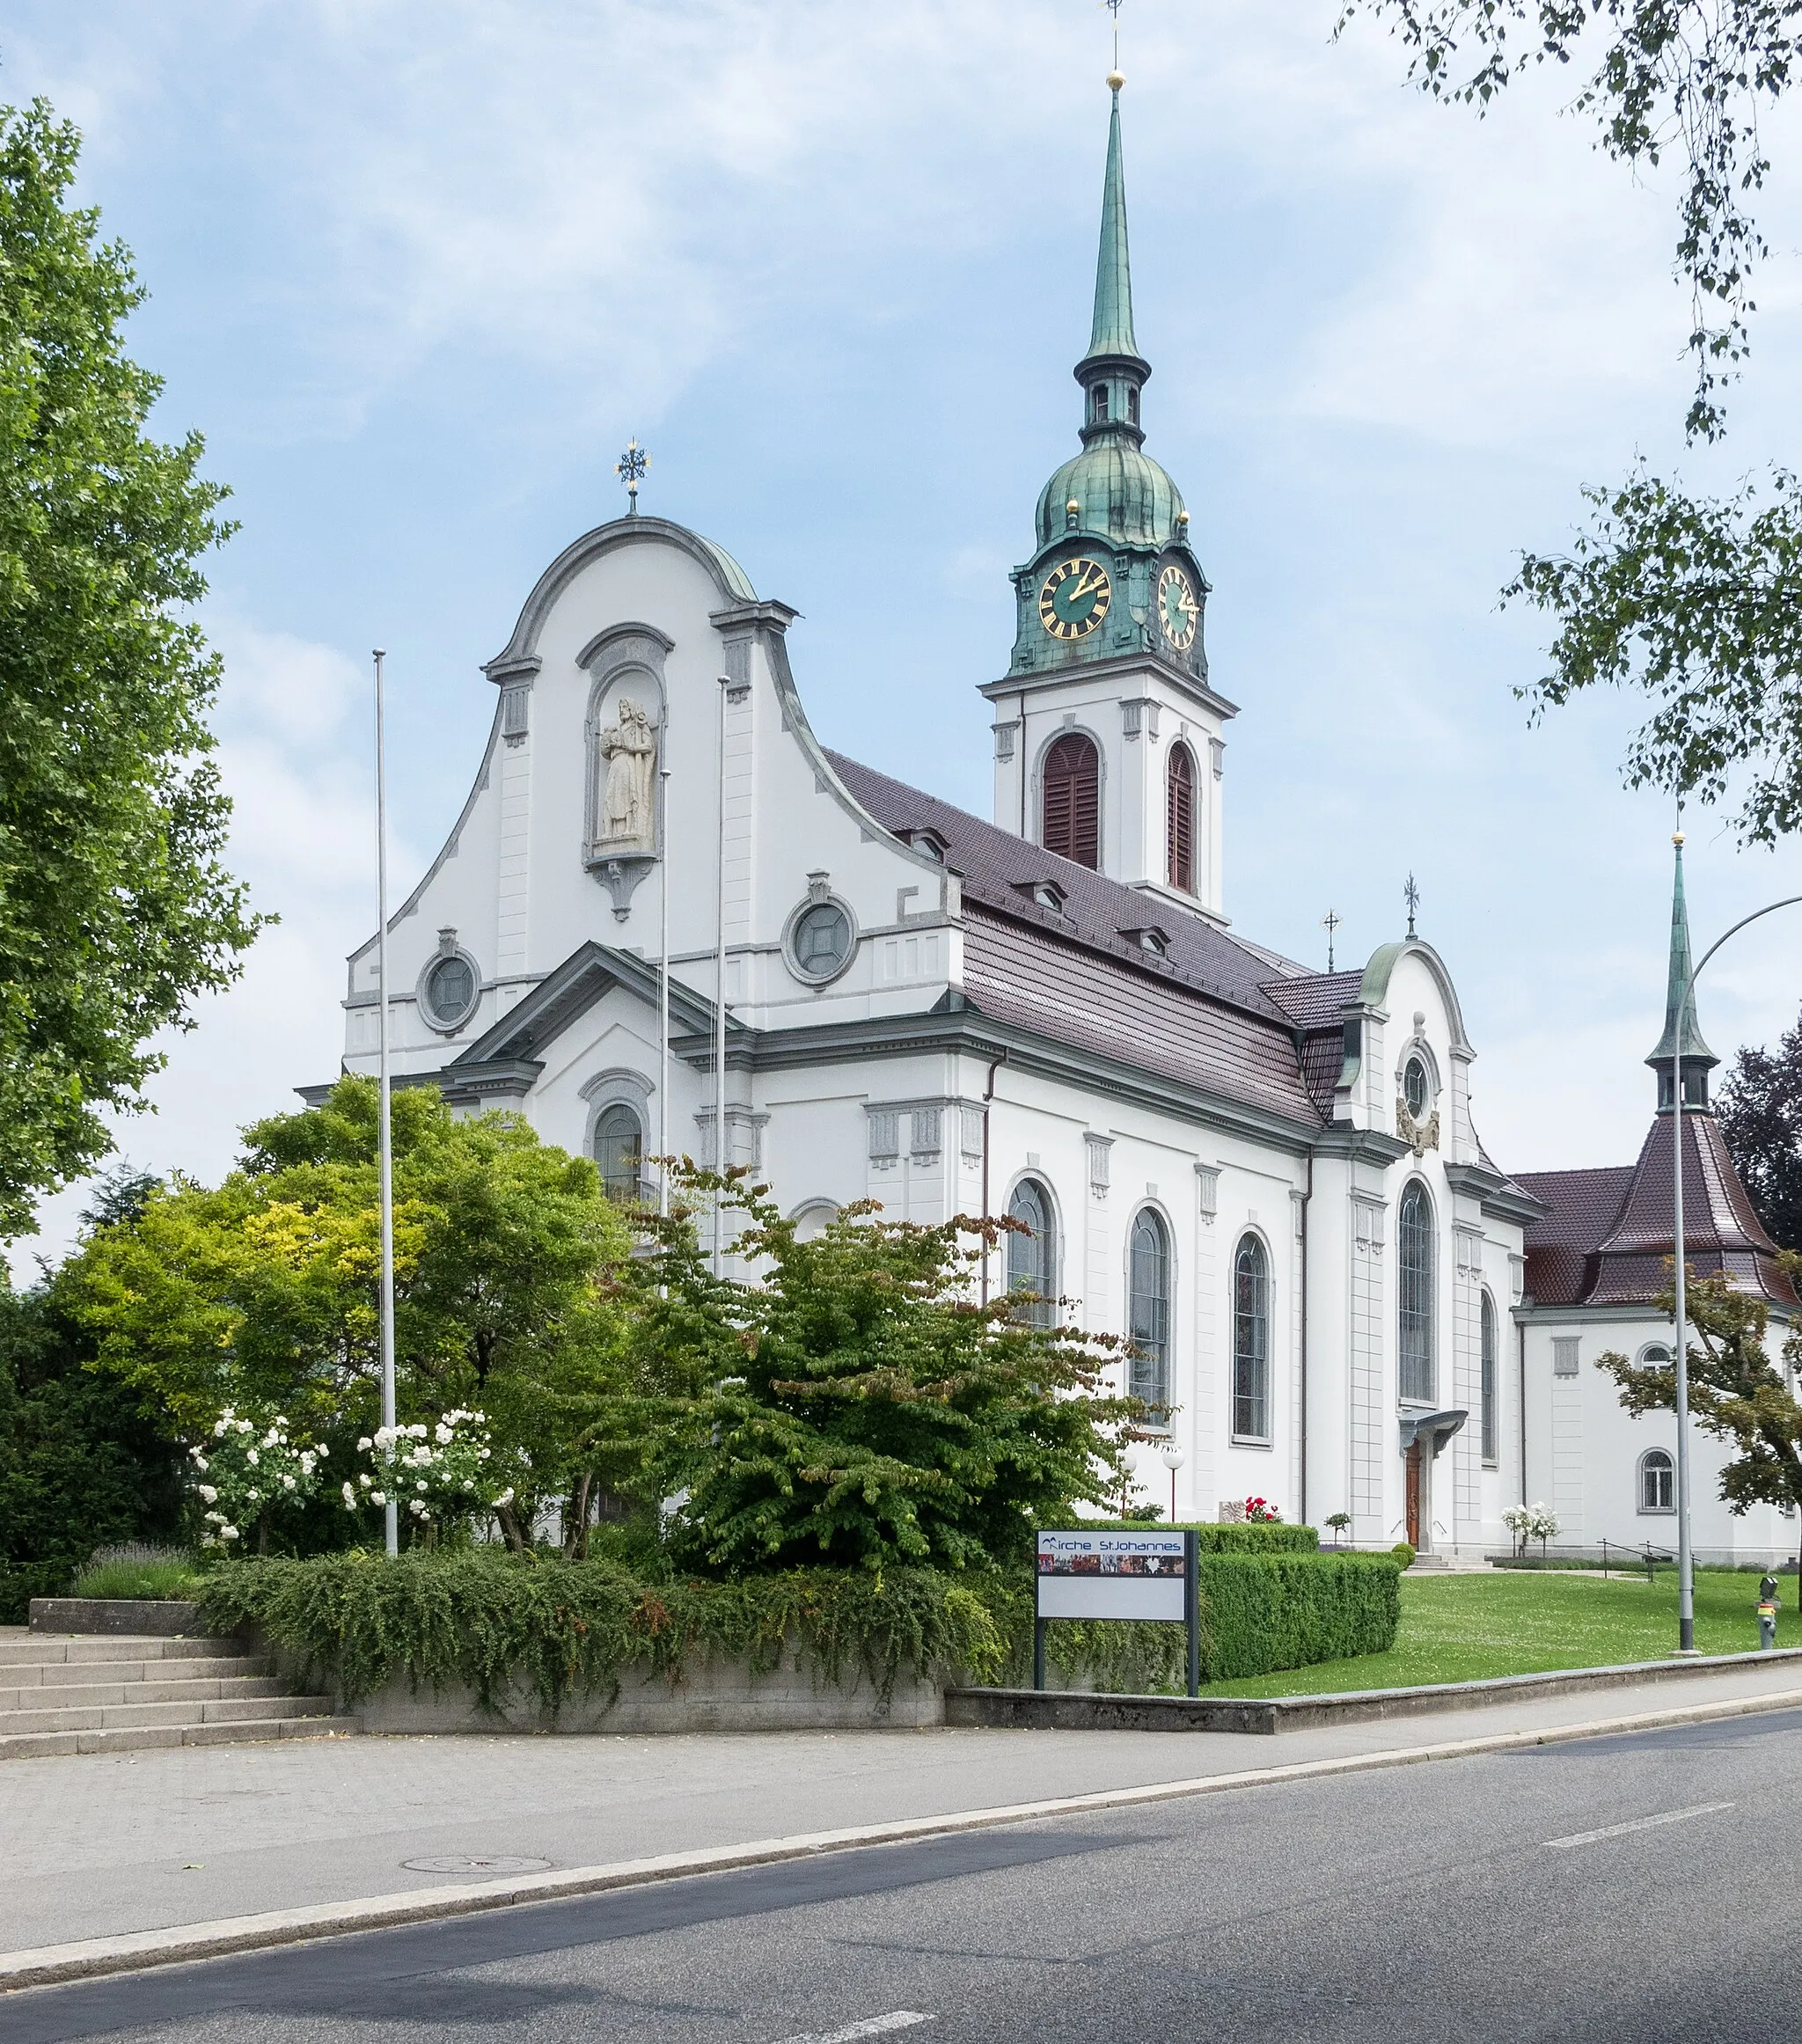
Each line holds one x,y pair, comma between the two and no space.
1267,1177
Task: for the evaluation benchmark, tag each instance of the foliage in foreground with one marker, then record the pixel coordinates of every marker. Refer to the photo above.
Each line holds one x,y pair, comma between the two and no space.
499,1624
858,1405
1736,1393
84,1459
493,1621
176,1579
260,1295
114,909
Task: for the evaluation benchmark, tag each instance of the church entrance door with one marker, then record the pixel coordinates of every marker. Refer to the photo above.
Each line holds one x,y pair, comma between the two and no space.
1413,1464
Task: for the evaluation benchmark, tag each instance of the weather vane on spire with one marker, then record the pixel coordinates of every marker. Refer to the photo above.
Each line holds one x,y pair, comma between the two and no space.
1411,894
631,469
1330,922
1113,8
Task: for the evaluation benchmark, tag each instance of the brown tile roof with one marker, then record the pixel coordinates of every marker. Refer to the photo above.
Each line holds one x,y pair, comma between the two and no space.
1607,1238
1201,1015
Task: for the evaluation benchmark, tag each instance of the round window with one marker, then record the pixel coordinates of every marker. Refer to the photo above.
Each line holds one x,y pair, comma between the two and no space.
821,940
451,990
1416,1087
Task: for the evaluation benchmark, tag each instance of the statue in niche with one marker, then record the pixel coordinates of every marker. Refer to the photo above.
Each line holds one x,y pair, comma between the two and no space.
630,750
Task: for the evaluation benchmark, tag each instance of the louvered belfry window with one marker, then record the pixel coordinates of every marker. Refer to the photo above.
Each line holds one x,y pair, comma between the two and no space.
1180,817
1073,800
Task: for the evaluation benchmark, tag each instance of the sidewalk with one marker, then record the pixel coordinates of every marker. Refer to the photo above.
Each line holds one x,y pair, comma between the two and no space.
95,1846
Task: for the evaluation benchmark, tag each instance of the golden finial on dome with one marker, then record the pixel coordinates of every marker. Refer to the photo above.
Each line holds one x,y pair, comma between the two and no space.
1115,81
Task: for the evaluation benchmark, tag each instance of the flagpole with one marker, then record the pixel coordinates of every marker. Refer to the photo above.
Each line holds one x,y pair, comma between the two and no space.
664,991
719,1005
384,1140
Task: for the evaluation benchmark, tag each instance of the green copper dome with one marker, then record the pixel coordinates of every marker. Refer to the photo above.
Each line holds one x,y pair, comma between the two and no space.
1124,494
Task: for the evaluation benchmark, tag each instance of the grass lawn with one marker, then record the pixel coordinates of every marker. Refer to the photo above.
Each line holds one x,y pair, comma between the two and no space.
1463,1628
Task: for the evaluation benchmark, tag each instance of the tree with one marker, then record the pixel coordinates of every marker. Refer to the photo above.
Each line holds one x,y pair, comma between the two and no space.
261,1294
114,909
1689,601
858,1405
1736,1393
84,1460
1760,1113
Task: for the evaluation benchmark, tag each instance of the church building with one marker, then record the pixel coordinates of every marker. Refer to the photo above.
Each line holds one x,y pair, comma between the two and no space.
1267,1177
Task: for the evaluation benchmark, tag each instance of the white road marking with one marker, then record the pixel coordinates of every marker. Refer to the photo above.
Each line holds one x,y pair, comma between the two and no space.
1638,1824
872,2027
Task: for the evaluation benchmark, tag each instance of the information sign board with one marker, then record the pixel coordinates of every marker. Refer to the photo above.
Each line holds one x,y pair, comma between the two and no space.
1088,1573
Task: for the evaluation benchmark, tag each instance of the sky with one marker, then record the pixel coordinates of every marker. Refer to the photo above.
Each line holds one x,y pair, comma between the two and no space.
419,269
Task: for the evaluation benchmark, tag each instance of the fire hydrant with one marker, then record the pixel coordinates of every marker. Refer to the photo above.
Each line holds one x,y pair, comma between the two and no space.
1767,1613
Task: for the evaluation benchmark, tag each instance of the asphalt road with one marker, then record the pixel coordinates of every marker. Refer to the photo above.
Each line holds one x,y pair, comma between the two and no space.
1515,1896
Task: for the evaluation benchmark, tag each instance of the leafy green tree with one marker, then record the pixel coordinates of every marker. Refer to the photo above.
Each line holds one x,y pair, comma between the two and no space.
1689,601
84,1460
1760,1110
1736,1393
114,909
858,1404
262,1294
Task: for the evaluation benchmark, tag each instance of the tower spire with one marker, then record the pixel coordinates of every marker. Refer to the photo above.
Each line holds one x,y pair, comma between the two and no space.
1682,1038
1112,331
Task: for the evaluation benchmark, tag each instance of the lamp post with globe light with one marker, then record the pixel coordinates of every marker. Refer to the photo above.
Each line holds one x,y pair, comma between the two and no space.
1173,1458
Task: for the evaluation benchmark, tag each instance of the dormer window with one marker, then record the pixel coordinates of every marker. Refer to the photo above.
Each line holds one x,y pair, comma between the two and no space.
1100,403
1044,894
927,841
1154,940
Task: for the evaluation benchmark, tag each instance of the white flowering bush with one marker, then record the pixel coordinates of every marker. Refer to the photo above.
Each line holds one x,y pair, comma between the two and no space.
432,1472
1531,1522
246,1470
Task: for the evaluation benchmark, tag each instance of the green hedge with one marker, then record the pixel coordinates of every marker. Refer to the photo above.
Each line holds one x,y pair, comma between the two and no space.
1260,1613
487,1619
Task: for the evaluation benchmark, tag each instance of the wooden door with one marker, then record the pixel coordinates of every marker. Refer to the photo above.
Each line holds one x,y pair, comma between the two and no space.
1414,1496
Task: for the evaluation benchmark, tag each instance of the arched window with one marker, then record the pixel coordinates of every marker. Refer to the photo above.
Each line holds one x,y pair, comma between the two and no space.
1657,1481
619,1151
1251,1341
1032,1259
812,1221
1488,1380
1179,817
1414,1243
1073,799
1148,1312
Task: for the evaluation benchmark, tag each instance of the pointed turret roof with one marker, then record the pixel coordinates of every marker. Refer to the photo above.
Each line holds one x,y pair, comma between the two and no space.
1112,331
1682,1038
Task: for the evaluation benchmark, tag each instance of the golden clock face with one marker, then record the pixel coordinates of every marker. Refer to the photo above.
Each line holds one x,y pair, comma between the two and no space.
1075,599
1178,612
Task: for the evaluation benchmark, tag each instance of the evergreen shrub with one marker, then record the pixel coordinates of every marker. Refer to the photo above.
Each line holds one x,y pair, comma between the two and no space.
494,1620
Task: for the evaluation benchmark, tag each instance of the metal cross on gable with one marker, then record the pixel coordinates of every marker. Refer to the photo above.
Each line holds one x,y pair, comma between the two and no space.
1411,894
1330,923
631,468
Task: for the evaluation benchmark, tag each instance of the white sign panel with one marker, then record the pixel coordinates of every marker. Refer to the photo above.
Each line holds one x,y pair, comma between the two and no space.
1110,1575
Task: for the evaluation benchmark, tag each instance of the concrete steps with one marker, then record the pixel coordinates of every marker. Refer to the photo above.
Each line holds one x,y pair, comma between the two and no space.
116,1693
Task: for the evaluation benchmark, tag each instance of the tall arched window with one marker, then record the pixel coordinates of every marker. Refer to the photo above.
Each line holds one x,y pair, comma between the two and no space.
1657,1481
1488,1338
1148,1311
619,1152
1073,799
1179,817
1251,1341
1414,1241
1489,1452
1032,1259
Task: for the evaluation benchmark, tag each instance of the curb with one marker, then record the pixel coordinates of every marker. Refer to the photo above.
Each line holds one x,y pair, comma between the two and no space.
138,1950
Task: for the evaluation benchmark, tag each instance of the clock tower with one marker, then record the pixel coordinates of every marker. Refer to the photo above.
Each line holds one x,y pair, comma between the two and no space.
1108,737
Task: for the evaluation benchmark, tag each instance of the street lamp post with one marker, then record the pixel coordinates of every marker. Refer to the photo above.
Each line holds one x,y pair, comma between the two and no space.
1686,1565
1173,1458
